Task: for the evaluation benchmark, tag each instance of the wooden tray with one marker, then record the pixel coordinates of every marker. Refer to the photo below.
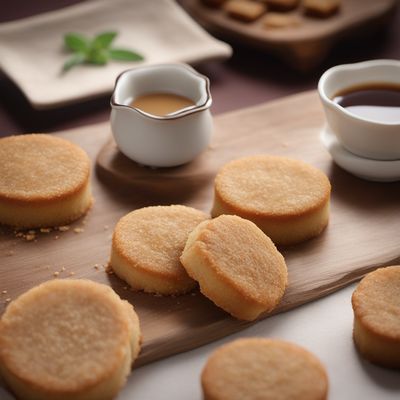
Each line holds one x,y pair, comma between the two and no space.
302,46
363,232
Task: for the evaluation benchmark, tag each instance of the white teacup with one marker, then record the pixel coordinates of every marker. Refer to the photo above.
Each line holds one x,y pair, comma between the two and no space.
161,141
362,136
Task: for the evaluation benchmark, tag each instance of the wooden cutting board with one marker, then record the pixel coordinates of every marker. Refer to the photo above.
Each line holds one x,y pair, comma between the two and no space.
305,45
363,232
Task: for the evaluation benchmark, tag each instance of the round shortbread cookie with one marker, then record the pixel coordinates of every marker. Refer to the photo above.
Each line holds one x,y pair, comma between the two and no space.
44,181
376,306
147,244
288,199
68,339
263,369
237,266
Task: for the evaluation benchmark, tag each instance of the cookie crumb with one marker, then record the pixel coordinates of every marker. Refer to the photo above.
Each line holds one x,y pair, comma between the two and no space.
30,236
7,300
79,230
71,273
63,228
4,292
45,230
56,273
56,237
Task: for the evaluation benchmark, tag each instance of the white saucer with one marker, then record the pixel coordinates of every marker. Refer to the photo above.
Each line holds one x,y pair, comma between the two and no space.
365,168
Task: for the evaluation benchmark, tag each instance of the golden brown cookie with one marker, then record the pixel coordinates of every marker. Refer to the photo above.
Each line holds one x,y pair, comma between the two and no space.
44,181
376,306
244,10
68,339
286,198
321,8
147,244
263,369
280,20
237,266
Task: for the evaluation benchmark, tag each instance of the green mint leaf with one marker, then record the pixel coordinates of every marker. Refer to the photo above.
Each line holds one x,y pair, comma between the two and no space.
124,55
96,51
103,40
76,42
99,57
76,59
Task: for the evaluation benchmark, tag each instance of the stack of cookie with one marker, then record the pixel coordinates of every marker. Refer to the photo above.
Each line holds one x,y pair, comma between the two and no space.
85,337
277,13
259,202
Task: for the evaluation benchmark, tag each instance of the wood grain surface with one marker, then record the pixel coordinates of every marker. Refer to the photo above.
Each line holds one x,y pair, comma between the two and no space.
363,232
303,46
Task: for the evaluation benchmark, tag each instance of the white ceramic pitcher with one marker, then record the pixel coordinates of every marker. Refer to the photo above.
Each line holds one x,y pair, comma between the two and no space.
161,141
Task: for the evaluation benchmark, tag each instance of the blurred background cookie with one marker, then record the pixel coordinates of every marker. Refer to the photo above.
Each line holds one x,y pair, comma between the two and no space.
321,8
280,20
244,10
